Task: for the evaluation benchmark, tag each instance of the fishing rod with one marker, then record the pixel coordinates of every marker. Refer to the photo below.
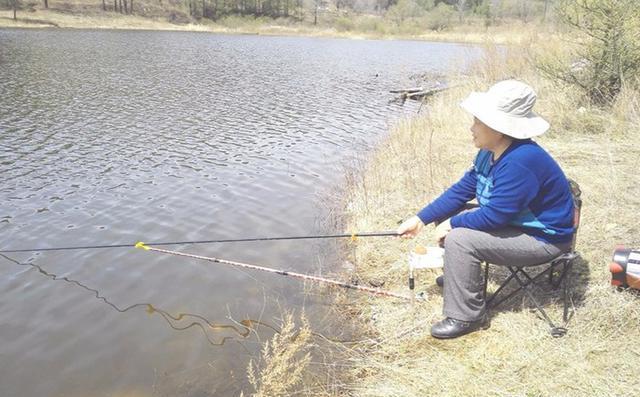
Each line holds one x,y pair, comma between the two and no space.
353,237
374,291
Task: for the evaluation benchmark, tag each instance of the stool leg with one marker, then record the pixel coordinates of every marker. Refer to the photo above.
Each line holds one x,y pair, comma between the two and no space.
566,290
525,288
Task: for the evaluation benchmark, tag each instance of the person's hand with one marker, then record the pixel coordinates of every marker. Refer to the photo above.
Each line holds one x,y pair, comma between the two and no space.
441,231
410,228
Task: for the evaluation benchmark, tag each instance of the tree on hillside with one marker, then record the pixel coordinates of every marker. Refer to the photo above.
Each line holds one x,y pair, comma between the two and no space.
608,55
403,10
524,11
384,5
426,4
494,10
342,4
316,9
121,6
461,5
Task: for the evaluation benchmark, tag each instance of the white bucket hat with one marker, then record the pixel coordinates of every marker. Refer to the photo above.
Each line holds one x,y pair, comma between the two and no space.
506,108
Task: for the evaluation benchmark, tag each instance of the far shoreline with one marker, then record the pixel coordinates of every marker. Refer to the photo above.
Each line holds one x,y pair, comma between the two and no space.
52,20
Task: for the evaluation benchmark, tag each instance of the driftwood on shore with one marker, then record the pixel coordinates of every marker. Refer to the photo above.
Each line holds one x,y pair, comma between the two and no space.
418,93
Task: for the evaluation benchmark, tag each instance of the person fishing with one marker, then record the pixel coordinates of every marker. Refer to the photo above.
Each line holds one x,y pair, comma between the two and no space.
525,212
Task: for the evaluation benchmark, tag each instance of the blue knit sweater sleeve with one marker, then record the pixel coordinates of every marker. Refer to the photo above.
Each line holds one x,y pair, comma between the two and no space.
451,200
514,187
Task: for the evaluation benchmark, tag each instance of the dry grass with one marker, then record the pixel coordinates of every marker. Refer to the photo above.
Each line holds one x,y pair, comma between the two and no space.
284,360
516,356
48,18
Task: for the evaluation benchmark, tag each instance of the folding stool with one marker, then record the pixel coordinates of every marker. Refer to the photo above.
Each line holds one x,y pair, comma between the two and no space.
557,271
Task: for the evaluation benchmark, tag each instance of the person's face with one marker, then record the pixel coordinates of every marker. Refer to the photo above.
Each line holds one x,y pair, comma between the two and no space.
484,137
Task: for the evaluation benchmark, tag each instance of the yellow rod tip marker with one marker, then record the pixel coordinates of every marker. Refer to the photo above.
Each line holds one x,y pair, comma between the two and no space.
140,244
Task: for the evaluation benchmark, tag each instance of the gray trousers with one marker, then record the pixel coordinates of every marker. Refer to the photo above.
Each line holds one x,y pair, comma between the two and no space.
466,249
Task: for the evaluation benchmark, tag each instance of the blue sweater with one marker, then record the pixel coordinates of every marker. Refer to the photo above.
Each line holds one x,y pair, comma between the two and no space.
525,188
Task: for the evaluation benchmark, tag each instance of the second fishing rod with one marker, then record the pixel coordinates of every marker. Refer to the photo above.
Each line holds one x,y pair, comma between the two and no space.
353,236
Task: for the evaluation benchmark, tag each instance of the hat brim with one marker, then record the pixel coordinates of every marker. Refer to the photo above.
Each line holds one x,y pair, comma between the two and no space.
483,107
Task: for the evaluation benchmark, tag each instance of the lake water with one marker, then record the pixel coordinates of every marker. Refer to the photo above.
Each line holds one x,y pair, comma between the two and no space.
112,137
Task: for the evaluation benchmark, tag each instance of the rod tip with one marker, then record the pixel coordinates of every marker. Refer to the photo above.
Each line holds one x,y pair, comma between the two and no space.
140,244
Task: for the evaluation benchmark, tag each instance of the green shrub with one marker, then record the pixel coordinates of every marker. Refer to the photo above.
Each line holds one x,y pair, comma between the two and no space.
246,22
607,53
426,4
403,10
371,24
344,24
440,18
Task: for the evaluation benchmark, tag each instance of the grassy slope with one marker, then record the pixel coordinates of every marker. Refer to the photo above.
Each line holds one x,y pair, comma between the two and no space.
84,14
516,356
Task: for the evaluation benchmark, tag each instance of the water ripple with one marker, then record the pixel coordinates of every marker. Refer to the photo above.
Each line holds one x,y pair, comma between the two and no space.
116,137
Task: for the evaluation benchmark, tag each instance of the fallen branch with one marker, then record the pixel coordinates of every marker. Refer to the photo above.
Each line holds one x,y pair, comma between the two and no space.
418,93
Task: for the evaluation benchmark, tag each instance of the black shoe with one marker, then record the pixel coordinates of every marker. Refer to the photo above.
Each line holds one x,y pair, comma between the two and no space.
440,281
450,328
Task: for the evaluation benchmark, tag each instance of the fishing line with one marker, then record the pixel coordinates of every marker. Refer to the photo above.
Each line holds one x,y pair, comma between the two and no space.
150,309
353,236
248,324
